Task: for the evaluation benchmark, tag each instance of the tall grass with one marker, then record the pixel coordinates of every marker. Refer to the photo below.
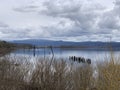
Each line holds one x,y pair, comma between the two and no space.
20,74
12,74
109,75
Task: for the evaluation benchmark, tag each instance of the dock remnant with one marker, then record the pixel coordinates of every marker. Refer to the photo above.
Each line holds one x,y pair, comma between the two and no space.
80,59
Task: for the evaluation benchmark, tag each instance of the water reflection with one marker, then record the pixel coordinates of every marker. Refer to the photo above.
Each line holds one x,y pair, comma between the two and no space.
66,54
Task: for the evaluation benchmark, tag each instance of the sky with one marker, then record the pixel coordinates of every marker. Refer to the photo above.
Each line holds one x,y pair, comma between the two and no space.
68,20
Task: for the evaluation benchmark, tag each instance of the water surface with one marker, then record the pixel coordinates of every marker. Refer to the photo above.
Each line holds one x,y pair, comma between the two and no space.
58,53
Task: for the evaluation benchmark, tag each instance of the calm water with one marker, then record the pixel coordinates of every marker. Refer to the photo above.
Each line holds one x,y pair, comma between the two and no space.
94,55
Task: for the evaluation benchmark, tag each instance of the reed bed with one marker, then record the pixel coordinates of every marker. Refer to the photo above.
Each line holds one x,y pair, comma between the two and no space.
21,74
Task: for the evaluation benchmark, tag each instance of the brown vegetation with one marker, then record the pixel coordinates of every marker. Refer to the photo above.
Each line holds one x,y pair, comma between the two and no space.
20,74
5,47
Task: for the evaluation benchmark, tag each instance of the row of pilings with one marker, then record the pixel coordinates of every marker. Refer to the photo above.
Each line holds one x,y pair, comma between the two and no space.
80,59
73,58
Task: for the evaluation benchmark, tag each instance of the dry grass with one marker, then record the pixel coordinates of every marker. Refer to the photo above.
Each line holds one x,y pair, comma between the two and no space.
20,74
109,75
82,78
12,74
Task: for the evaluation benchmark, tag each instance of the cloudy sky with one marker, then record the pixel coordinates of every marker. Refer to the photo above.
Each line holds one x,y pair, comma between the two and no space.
70,20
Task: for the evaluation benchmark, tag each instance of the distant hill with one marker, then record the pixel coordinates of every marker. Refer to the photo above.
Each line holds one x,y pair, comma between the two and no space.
68,44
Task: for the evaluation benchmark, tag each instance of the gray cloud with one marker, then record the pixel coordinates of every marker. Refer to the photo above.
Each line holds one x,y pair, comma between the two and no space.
70,19
3,25
117,8
87,23
84,19
109,21
30,8
9,33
